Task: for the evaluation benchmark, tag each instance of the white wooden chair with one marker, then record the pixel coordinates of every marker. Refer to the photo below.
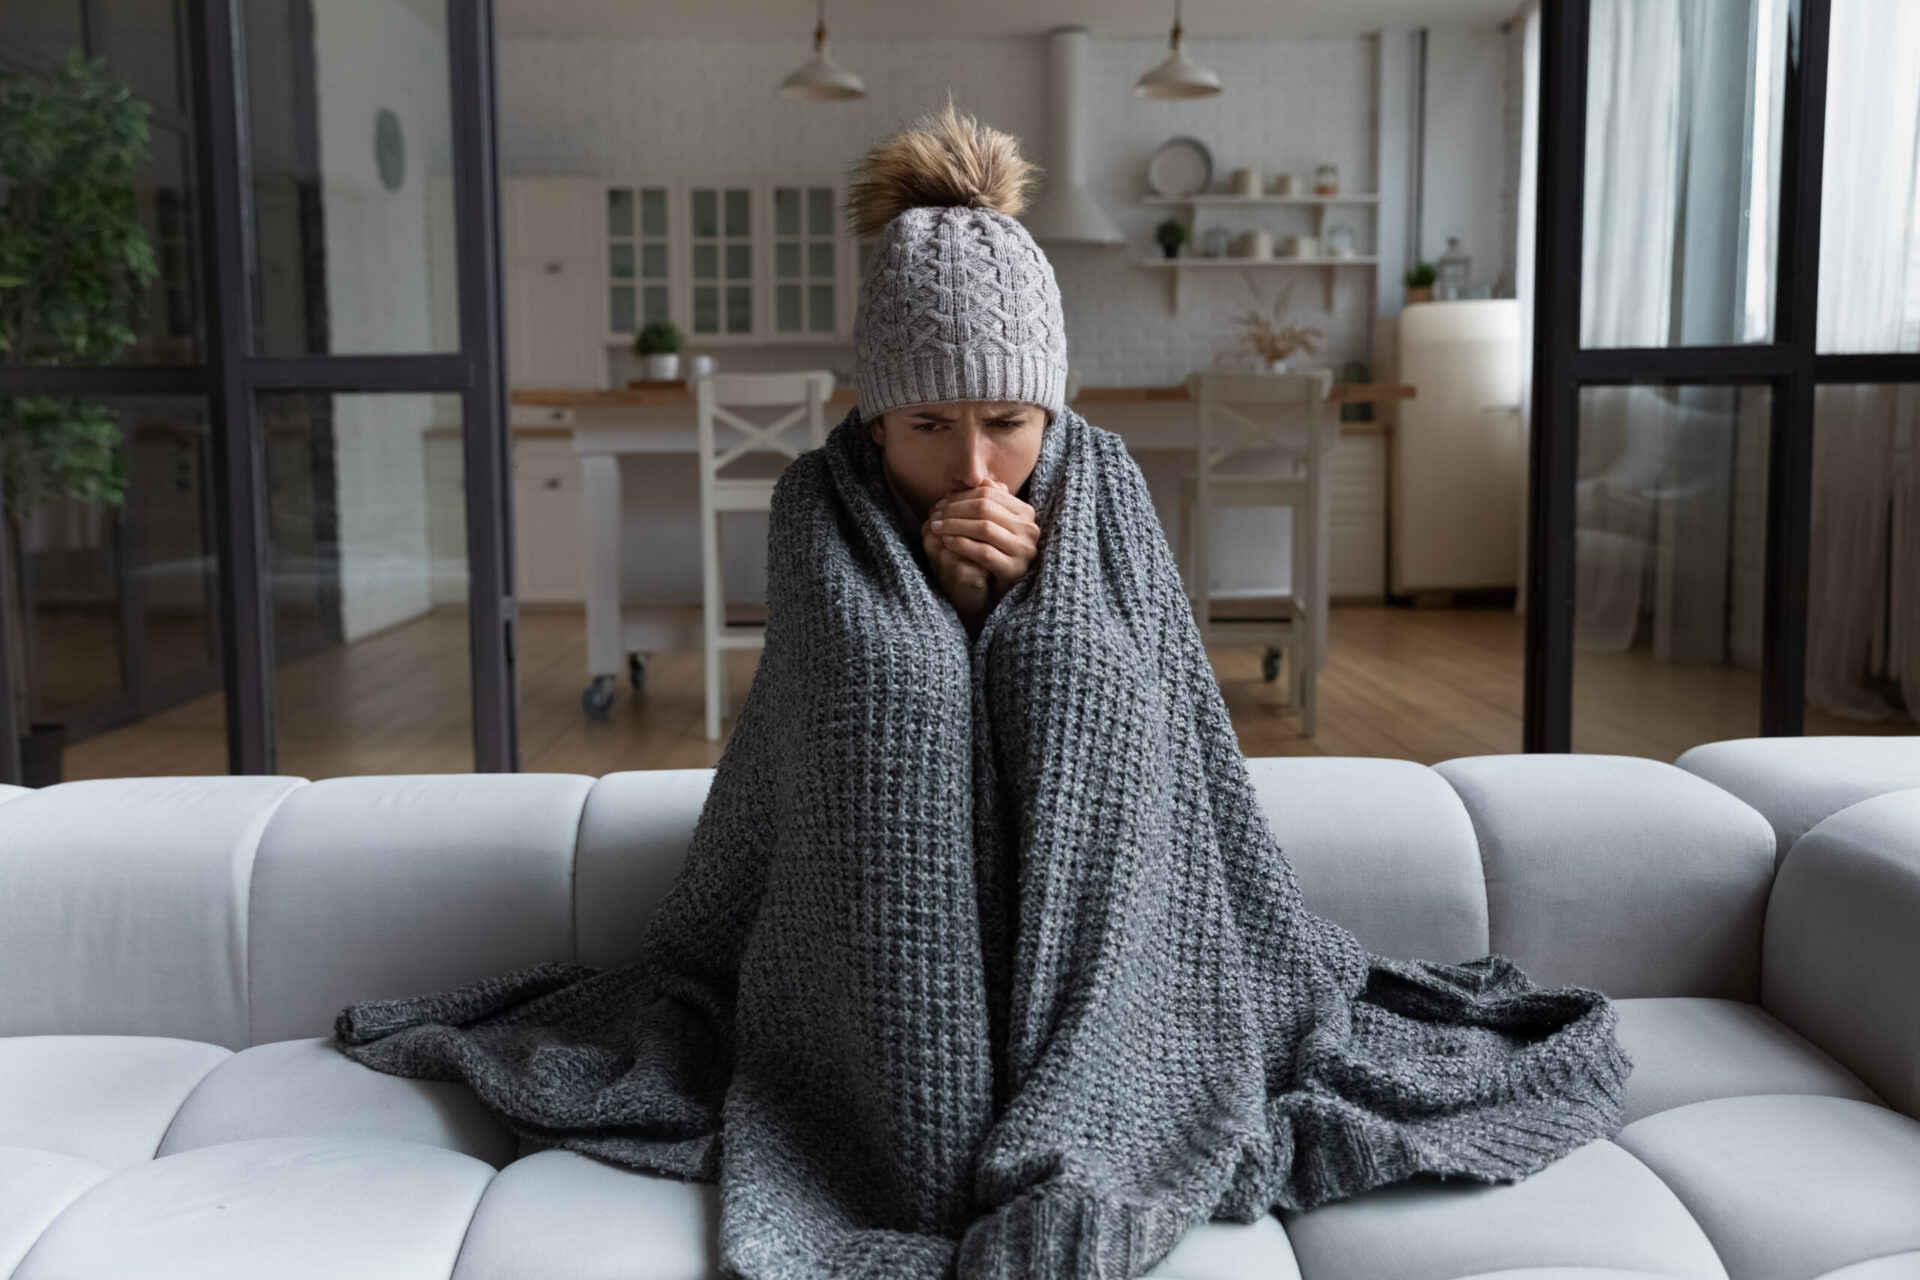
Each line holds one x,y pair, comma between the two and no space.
807,391
1263,441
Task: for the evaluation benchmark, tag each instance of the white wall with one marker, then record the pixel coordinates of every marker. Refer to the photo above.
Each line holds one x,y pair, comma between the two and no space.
703,109
1467,174
382,294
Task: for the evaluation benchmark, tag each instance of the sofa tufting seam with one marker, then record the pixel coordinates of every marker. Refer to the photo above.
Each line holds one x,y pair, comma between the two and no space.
263,820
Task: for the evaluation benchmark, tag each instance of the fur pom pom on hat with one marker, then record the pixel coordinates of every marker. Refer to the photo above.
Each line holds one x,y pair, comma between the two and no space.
958,302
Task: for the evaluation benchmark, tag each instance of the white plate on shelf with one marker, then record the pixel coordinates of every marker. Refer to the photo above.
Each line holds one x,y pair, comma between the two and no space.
1181,167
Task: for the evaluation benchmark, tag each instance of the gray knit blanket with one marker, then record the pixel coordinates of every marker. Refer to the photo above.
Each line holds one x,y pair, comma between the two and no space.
984,960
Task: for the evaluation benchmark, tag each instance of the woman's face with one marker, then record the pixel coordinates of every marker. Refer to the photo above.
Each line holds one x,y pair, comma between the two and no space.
936,449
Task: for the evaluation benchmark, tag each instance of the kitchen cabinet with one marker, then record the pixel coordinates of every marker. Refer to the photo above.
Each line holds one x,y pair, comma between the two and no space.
591,261
812,295
1357,558
554,279
546,521
640,242
546,515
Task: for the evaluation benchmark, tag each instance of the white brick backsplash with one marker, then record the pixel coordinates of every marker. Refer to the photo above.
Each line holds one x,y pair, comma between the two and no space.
704,109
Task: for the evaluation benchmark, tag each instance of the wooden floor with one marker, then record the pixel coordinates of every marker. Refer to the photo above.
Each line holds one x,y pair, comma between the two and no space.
1418,684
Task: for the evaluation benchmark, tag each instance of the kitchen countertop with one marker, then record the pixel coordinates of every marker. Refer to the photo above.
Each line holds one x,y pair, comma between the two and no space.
674,392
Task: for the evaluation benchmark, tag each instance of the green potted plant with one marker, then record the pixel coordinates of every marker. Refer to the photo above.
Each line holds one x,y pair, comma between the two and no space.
659,342
1171,234
74,261
1420,277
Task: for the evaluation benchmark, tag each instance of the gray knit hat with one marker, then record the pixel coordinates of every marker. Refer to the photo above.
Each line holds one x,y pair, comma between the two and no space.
958,302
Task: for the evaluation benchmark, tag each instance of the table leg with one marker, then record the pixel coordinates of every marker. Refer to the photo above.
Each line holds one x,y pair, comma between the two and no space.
600,555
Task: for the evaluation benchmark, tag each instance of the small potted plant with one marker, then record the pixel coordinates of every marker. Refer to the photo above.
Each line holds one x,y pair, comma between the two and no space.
1171,234
1420,277
659,343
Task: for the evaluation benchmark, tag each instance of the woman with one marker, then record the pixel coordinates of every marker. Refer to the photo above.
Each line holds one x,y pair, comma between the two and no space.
983,960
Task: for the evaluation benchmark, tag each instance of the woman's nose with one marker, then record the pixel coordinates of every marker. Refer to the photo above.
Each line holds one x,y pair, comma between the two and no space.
974,457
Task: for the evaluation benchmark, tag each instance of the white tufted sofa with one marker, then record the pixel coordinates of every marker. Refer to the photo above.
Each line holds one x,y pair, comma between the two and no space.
171,948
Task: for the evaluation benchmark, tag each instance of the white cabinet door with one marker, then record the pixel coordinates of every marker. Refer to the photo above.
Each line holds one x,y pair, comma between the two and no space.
552,217
546,522
554,338
1357,558
806,261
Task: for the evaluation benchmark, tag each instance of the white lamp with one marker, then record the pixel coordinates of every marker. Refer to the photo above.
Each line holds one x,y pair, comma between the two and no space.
822,79
1176,76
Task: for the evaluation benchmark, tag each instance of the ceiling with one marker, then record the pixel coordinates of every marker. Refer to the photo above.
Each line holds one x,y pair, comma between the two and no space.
1203,19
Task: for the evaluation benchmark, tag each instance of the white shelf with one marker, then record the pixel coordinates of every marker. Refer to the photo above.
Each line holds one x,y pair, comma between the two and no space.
1230,199
1318,204
1177,269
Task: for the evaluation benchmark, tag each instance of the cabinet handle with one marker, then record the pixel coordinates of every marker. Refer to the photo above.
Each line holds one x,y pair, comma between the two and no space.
553,482
553,268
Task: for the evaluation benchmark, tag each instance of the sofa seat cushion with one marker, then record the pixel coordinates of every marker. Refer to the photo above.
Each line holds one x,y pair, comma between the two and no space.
1230,1251
1790,1186
1565,1273
105,1099
567,1216
1895,1266
35,1186
296,1088
1595,1207
1687,1049
290,1208
559,1215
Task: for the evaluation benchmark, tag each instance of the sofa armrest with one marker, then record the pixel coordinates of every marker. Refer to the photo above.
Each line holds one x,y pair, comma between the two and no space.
1840,960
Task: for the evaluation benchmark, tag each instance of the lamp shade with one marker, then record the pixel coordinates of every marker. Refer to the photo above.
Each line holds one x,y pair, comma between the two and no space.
822,79
1177,76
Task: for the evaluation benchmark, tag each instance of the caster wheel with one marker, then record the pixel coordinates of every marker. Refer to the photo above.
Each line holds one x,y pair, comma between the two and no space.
636,671
1270,666
597,698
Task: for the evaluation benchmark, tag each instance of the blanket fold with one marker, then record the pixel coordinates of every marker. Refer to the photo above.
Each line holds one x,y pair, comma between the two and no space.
984,961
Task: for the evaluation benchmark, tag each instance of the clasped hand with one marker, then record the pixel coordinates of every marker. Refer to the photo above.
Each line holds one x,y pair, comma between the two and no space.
979,541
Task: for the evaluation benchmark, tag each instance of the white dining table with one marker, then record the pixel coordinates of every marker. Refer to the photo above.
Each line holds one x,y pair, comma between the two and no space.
657,419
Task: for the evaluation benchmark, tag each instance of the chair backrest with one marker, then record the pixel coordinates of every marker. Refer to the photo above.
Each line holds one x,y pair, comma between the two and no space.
717,394
1267,414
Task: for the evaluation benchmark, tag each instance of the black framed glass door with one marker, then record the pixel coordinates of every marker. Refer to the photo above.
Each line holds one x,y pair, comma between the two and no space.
1684,371
324,333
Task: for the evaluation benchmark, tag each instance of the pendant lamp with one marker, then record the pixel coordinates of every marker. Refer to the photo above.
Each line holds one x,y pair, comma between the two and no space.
1176,76
822,79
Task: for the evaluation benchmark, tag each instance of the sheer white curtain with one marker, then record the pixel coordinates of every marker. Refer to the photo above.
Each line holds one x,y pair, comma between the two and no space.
1632,188
1864,580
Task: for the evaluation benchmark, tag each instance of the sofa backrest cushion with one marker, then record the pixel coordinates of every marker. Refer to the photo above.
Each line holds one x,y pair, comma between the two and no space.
375,887
1626,875
1383,847
1842,957
123,905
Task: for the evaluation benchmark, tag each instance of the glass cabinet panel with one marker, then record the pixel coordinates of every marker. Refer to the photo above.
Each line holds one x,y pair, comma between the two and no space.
722,260
805,283
636,258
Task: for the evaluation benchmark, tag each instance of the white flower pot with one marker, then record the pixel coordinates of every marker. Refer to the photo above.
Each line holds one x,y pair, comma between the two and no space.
663,367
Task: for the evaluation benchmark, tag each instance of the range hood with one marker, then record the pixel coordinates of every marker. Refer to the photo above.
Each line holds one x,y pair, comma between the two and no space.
1067,212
